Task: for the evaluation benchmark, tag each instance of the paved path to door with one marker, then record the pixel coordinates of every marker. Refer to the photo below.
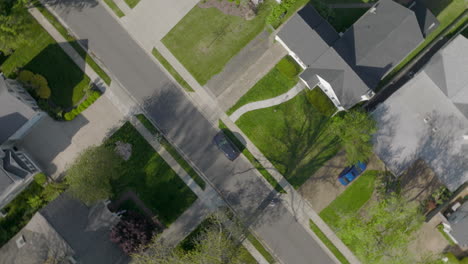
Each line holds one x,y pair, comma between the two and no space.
269,102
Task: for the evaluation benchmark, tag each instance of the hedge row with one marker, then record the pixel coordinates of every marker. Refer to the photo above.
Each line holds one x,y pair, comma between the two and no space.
83,106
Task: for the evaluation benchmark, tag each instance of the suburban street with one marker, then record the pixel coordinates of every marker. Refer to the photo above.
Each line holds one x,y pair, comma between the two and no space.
185,126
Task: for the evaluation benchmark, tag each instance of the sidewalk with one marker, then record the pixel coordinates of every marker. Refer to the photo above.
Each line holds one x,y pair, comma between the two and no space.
210,109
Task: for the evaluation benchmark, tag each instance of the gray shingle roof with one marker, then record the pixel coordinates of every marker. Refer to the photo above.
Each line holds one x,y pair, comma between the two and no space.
13,112
404,135
371,47
69,218
459,224
308,35
447,69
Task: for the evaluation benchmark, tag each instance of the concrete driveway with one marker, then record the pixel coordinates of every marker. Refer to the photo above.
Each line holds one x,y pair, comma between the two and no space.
151,20
53,145
323,187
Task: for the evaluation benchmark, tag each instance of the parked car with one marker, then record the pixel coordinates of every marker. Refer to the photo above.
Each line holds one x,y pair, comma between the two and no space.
351,173
226,146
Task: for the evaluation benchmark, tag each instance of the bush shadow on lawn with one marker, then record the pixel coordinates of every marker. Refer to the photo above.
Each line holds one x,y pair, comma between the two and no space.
66,80
293,136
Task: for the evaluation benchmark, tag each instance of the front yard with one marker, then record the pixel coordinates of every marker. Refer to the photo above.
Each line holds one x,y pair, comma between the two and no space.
206,39
276,82
293,136
42,55
150,177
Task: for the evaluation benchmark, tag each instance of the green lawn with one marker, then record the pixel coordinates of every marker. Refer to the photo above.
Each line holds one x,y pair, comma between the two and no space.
132,3
172,71
293,136
206,39
114,8
346,17
44,56
19,212
264,172
150,177
328,243
72,41
446,12
174,153
268,257
352,199
321,101
277,81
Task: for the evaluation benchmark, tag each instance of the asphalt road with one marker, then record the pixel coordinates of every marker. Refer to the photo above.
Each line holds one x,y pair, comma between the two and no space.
189,130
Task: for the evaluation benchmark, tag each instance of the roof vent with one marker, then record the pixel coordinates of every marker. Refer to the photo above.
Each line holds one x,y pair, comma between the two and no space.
20,242
427,119
435,129
373,10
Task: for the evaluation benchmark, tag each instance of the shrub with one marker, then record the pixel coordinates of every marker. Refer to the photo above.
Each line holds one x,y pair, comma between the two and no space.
288,67
279,11
40,178
53,190
132,232
92,97
25,77
41,87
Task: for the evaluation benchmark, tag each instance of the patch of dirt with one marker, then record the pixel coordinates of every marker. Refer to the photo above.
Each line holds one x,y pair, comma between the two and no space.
245,11
124,150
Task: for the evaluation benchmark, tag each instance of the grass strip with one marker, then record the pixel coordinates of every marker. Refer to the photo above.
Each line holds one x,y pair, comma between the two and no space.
261,248
352,199
132,3
172,71
114,8
328,243
251,158
449,240
174,153
73,42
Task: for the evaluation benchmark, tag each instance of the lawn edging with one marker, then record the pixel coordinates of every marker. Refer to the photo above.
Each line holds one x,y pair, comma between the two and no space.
172,150
54,21
336,252
264,172
171,70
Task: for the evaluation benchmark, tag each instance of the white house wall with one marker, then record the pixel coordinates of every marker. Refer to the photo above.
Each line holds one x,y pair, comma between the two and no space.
291,53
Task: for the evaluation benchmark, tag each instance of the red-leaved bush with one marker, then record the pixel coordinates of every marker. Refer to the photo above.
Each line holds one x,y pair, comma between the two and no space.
132,232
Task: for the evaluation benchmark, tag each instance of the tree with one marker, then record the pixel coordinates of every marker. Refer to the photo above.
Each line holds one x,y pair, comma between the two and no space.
355,129
15,25
133,231
382,234
89,178
217,243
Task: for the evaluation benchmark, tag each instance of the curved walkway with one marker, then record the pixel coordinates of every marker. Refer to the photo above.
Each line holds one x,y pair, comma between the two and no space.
269,102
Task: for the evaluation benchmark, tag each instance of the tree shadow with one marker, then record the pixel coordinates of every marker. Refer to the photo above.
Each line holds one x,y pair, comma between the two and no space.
65,79
74,4
307,143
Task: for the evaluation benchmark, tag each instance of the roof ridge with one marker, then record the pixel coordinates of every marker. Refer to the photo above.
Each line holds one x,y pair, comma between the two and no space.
390,33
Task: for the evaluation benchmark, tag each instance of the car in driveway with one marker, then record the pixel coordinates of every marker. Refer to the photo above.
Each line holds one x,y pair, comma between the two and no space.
349,174
226,146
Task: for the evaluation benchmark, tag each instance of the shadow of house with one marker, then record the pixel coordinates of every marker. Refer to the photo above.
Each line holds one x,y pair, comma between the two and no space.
65,231
75,4
348,67
66,79
17,116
